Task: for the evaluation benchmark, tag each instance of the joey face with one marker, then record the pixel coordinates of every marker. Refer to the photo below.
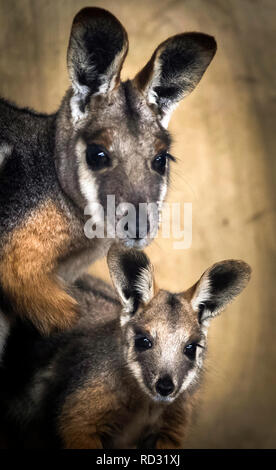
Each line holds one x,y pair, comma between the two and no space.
163,334
165,346
111,136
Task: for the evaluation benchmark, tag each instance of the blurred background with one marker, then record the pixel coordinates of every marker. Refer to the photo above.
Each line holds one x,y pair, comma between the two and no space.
224,140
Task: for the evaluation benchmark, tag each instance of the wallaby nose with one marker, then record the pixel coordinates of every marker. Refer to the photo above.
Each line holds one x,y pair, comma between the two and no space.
142,227
164,386
137,226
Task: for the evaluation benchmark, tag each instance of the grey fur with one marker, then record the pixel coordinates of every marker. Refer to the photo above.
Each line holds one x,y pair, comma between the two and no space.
99,354
44,164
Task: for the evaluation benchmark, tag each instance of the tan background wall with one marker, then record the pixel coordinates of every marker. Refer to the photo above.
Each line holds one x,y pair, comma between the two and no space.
225,145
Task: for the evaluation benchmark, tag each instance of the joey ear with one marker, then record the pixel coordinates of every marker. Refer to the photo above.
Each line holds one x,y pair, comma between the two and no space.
97,49
218,286
132,276
174,70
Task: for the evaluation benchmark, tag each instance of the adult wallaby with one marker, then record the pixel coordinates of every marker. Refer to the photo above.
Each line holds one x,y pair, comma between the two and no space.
125,376
107,138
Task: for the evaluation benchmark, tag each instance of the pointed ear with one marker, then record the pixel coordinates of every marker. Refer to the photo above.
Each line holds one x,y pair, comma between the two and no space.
174,70
132,276
97,49
218,286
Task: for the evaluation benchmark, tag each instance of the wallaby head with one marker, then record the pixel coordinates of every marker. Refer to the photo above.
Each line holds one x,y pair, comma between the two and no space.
112,137
163,334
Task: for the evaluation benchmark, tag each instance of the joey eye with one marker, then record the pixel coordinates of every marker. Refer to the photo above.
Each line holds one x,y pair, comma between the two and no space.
159,163
142,343
97,157
190,351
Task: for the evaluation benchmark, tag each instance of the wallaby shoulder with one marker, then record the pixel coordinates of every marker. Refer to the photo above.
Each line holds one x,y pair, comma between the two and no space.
21,125
27,171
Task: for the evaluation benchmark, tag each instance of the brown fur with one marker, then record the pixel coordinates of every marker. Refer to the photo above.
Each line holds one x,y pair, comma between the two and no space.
175,424
124,376
81,425
118,407
48,159
95,416
27,267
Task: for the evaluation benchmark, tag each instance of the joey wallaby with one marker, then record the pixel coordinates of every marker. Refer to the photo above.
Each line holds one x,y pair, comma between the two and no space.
125,376
107,138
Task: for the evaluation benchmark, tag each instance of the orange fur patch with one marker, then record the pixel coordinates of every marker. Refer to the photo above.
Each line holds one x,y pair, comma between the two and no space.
94,412
85,416
27,265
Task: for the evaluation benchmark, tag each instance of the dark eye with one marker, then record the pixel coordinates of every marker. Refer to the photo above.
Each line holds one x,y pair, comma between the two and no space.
190,351
142,343
97,157
159,163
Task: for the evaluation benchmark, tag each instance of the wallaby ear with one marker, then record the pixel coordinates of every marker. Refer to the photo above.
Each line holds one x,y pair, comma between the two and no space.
218,286
132,276
97,49
174,70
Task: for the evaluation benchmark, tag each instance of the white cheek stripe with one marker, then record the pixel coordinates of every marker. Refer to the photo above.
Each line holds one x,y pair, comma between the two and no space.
190,378
136,371
193,374
88,184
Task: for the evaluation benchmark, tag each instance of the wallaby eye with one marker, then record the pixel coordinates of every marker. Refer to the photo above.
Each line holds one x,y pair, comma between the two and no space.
190,351
97,157
142,343
159,163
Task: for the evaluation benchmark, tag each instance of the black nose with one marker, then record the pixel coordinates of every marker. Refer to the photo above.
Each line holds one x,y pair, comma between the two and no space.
164,386
137,228
142,226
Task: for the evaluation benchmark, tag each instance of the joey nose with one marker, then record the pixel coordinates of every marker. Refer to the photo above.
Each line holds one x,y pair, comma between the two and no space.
164,386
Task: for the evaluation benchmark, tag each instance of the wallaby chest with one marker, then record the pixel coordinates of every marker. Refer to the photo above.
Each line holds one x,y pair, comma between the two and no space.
139,423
